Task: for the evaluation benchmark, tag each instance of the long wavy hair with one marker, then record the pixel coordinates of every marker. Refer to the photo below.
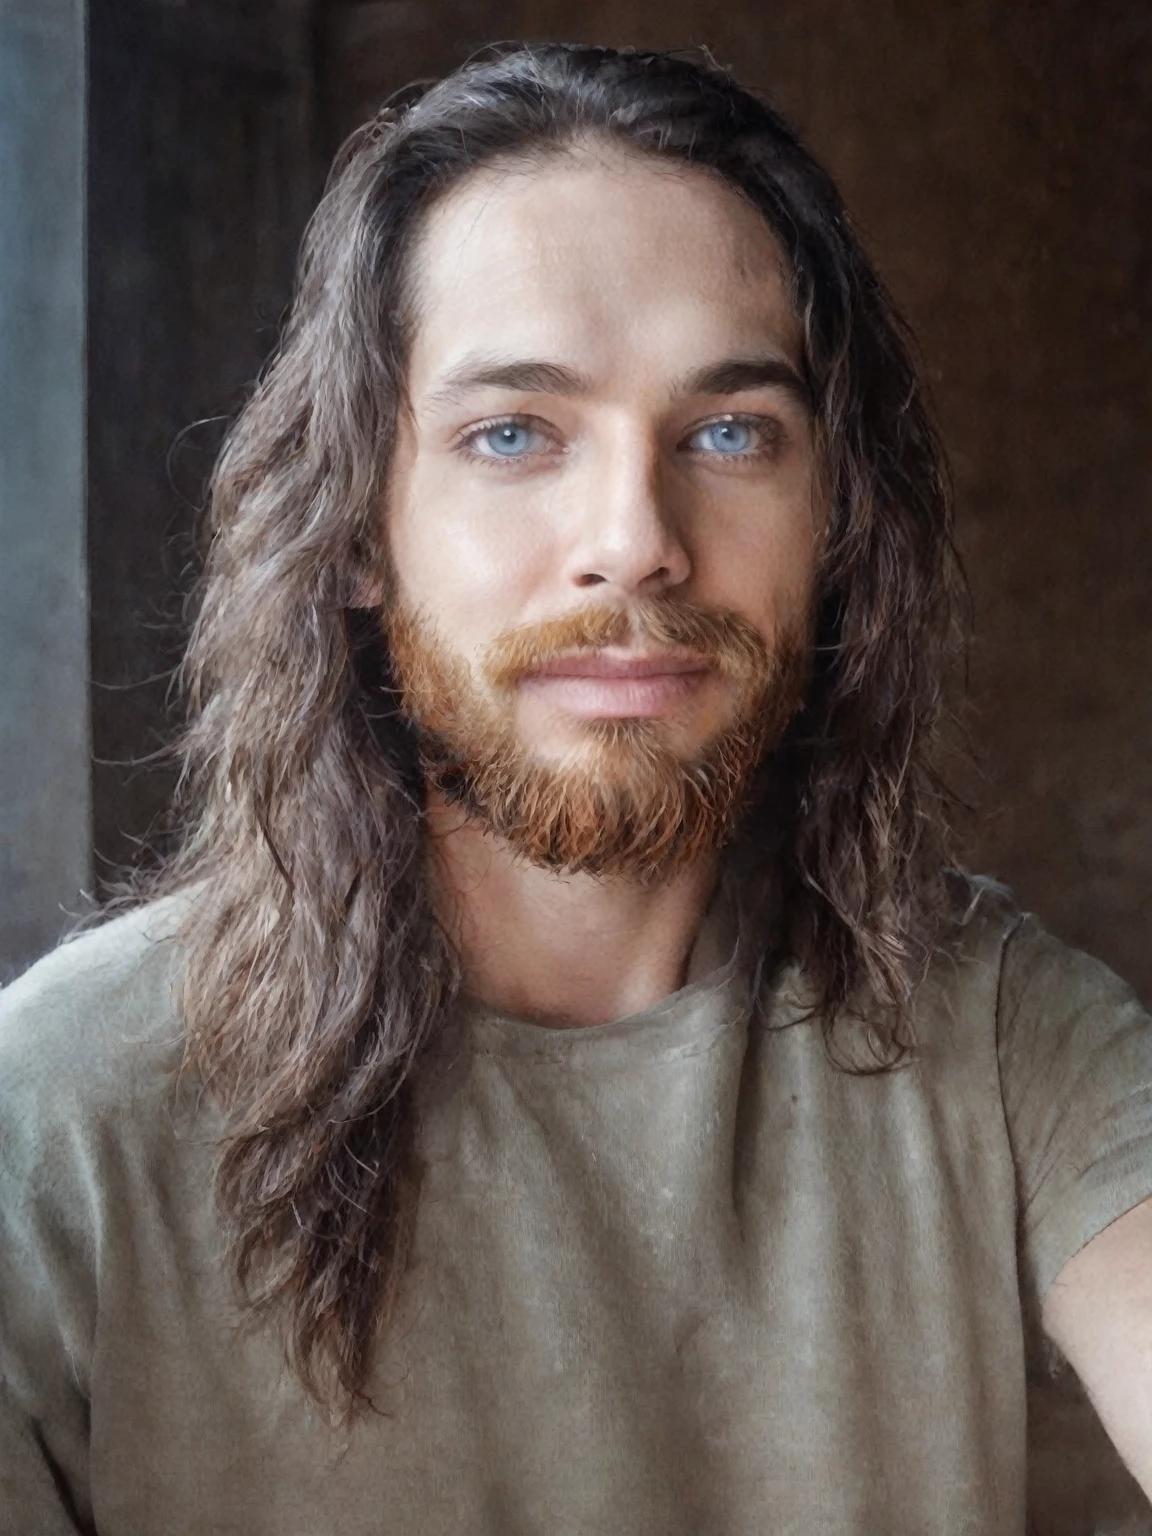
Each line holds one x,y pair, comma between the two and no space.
314,973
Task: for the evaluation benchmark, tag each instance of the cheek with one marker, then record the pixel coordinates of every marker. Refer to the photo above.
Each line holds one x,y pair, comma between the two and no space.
761,560
471,561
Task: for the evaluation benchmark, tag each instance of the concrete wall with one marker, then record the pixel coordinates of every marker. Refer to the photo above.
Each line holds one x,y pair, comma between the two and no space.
44,797
998,159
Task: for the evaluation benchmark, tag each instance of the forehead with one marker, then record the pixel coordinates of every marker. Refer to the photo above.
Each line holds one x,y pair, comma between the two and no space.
600,258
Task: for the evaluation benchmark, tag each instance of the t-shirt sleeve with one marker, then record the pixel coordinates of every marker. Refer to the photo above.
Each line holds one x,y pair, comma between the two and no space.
1075,1050
47,1289
90,1045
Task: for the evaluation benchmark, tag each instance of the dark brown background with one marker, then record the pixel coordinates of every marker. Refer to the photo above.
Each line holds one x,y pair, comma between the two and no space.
998,159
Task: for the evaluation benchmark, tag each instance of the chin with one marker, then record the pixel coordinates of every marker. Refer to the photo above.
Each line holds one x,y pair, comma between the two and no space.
611,751
567,741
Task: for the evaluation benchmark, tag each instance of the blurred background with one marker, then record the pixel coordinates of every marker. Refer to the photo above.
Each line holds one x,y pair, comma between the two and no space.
158,160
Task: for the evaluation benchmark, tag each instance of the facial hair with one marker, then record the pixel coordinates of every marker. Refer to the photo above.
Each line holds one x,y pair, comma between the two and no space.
628,804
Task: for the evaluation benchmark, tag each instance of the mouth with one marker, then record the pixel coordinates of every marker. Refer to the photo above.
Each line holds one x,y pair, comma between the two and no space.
618,685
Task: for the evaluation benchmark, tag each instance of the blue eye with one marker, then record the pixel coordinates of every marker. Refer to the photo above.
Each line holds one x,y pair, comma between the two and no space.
725,437
508,440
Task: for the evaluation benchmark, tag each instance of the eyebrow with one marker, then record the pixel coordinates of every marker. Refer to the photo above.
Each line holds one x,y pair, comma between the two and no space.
735,374
731,376
524,374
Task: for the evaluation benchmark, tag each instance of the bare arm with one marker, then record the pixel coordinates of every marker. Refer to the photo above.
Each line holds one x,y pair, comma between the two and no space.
1099,1312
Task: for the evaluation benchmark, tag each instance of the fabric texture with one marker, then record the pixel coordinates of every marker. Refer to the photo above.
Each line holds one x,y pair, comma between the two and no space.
676,1274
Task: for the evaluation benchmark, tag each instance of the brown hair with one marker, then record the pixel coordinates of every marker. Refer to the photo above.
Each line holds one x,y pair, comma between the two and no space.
314,971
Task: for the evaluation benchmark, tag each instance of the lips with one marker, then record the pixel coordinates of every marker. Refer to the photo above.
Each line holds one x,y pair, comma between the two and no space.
607,685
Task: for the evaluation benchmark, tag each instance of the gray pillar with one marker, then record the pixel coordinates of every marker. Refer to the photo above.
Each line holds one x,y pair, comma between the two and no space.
44,770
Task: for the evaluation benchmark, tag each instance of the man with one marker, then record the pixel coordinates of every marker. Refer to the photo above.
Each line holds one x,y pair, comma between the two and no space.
558,1085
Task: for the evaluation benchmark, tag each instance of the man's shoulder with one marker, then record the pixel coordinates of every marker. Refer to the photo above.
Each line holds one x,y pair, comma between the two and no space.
1000,960
979,920
982,913
94,1024
976,945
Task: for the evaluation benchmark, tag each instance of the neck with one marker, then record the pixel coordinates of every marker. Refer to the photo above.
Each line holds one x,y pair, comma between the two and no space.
560,950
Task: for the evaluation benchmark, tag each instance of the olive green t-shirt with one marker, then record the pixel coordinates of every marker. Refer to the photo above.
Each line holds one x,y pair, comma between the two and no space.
677,1274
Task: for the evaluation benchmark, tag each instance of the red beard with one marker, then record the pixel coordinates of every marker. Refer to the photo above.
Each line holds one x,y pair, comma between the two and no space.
632,806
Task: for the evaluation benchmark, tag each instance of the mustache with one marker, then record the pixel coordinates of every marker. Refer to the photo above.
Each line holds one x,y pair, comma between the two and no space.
730,643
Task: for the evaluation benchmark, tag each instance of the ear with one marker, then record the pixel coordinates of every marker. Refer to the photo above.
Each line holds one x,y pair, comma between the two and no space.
367,591
366,576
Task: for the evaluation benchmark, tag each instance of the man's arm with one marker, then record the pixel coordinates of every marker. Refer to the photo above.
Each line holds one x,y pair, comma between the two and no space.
1098,1311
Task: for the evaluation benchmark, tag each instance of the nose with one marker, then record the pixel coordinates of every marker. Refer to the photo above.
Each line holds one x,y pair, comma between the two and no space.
627,539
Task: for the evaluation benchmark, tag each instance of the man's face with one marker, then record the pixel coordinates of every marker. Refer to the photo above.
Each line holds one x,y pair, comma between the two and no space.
603,519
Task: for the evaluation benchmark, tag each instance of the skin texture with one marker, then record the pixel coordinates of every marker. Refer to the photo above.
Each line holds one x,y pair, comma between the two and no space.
1099,1311
632,277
